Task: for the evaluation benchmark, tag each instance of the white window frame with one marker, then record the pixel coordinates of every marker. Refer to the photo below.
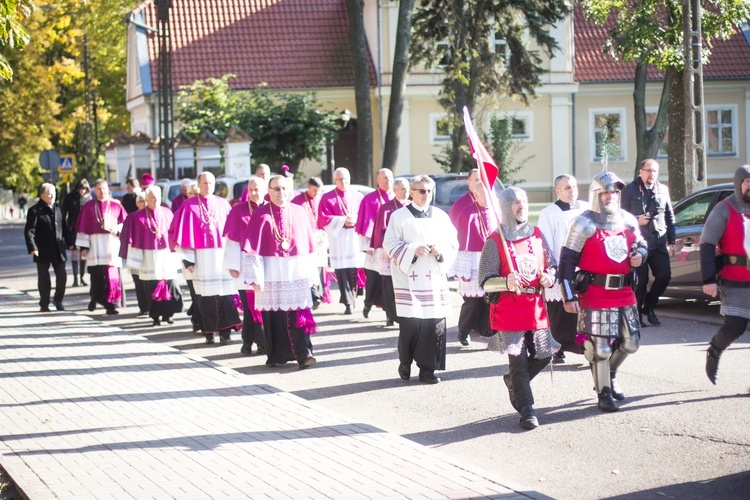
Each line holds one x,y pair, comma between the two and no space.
623,133
495,42
436,138
527,117
659,154
722,107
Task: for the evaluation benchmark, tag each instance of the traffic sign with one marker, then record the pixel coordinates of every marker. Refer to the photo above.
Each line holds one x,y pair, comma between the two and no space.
67,164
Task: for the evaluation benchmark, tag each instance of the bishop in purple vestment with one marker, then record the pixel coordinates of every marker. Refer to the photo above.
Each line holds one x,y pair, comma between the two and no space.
197,233
98,227
368,209
337,214
279,264
310,201
252,322
466,200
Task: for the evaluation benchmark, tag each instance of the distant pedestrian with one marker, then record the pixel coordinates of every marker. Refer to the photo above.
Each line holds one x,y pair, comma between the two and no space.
422,244
45,234
280,265
22,201
71,208
648,200
180,198
98,231
128,199
263,171
725,234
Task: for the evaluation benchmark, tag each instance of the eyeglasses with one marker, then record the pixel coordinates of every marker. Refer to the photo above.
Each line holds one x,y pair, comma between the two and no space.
277,188
649,170
423,191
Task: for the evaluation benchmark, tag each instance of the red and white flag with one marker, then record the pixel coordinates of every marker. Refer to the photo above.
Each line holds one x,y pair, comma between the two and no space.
488,169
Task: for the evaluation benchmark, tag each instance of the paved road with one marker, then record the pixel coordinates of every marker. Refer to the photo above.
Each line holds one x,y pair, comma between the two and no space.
677,435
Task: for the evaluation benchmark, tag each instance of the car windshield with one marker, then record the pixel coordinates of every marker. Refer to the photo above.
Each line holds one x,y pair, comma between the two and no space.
173,192
238,188
449,191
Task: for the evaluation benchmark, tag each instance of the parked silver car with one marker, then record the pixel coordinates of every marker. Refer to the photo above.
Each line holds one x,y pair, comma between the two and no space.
690,214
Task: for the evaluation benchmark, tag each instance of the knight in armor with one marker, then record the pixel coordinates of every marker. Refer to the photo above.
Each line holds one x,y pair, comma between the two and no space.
604,243
726,233
515,265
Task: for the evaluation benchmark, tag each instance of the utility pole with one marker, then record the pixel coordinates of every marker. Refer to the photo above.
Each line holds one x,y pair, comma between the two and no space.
166,118
695,141
91,123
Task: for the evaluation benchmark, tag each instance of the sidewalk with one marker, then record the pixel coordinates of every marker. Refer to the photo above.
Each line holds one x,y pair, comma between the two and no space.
87,410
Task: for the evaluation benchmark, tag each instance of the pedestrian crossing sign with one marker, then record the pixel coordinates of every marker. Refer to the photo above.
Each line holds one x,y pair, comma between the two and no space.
67,167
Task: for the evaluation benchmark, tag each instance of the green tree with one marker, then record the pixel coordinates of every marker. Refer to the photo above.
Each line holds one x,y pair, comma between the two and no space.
505,150
650,32
13,35
482,46
286,128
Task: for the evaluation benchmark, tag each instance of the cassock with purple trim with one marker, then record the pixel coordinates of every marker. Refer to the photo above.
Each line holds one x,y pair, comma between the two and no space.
144,247
280,263
197,231
97,230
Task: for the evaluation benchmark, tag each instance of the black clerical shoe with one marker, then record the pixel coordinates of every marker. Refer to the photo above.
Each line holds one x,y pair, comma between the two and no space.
651,316
83,282
44,309
156,322
168,319
307,363
58,305
225,340
404,371
92,305
247,349
260,350
389,322
112,312
366,311
463,339
559,358
348,310
210,338
316,303
428,377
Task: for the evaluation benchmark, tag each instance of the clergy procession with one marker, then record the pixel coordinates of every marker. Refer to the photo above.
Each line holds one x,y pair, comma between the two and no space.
533,293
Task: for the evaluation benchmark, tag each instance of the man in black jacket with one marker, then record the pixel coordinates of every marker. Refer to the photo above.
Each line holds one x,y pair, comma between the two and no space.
45,234
648,200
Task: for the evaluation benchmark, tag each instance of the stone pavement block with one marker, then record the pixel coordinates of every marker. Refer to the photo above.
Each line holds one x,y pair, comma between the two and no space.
89,410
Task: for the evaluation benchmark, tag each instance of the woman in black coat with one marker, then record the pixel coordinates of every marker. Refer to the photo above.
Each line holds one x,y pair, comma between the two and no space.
71,207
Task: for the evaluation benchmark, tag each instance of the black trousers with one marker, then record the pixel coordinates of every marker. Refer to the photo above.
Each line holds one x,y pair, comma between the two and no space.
658,262
251,331
99,290
163,309
731,330
44,282
141,293
389,298
347,279
475,315
284,341
218,314
423,341
373,289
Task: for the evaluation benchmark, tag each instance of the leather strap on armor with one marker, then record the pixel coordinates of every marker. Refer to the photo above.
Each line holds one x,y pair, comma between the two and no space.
735,260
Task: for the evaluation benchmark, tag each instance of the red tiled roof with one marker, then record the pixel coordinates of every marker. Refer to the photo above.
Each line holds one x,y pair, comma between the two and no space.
288,44
729,59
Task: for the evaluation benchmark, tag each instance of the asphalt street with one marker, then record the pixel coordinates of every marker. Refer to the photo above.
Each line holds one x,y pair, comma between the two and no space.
676,435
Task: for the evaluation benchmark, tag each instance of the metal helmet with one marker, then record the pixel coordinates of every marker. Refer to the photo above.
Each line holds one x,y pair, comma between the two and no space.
740,175
512,228
603,182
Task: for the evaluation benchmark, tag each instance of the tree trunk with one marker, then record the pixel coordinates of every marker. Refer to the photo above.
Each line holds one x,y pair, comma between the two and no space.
398,84
363,170
648,141
676,147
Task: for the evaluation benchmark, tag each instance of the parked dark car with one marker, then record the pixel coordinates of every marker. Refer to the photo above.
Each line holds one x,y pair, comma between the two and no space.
451,187
690,214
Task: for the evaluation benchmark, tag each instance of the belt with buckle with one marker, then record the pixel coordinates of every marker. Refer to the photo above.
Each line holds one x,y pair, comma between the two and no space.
530,290
736,260
611,281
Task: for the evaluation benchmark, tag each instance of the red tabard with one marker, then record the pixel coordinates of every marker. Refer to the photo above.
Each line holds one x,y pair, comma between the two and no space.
520,312
733,243
594,259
